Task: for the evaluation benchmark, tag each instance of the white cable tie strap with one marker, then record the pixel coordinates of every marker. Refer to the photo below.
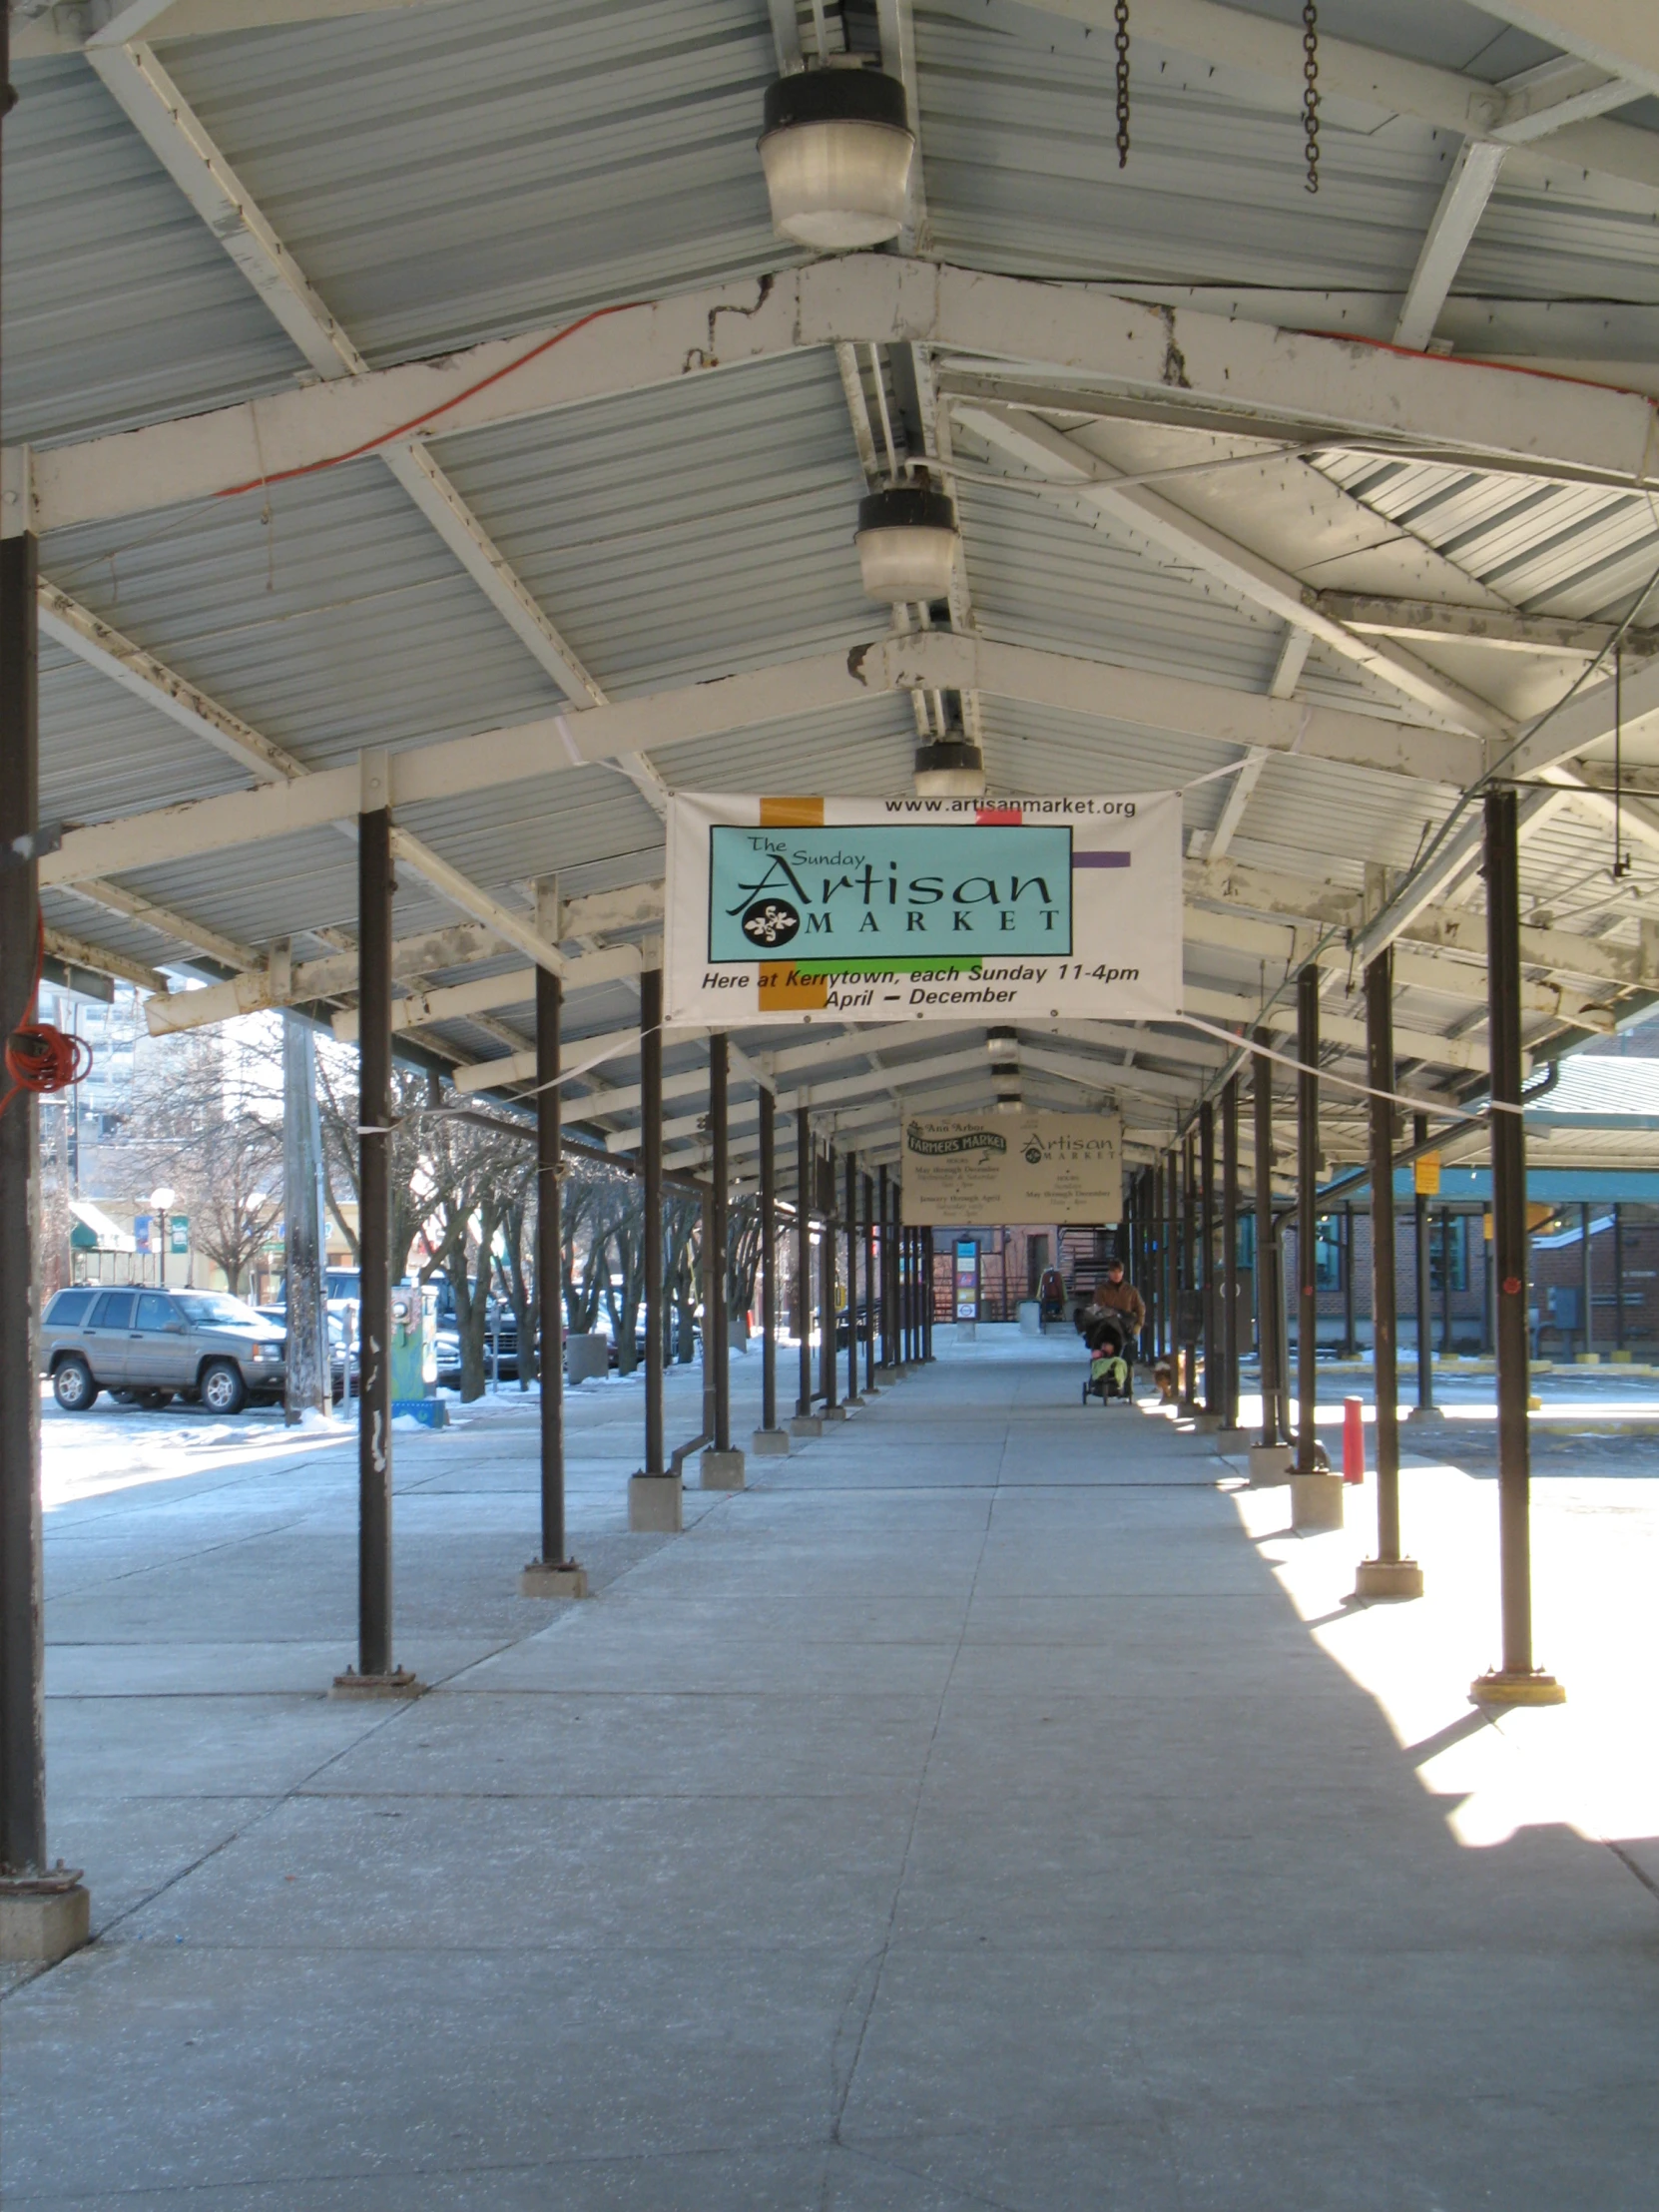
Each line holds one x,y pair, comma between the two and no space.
1436,1106
376,1129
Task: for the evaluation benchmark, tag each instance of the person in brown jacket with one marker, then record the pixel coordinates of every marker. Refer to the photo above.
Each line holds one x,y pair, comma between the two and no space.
1118,1296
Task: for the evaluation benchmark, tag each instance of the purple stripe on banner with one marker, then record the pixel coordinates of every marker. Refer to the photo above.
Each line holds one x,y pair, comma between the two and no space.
1099,860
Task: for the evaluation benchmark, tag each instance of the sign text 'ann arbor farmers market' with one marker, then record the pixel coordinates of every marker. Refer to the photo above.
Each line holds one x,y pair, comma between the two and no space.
854,910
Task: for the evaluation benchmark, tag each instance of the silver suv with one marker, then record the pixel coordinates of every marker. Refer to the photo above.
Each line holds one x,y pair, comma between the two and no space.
146,1344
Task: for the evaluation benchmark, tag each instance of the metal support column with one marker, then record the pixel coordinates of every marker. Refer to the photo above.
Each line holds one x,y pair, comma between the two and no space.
885,1260
549,1247
651,1161
1584,1276
720,1185
1214,1390
1189,1276
375,1672
1229,1255
769,1260
827,1290
1517,1681
1347,1280
1389,1574
21,1737
1306,1225
803,1160
926,1296
1618,1277
852,1279
872,1294
1446,1281
1267,1302
1422,1262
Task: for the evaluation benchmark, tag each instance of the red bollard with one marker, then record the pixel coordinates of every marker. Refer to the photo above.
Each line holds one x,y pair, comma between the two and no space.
1354,1439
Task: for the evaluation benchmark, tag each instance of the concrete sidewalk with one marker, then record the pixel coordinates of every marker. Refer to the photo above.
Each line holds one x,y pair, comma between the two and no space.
963,1815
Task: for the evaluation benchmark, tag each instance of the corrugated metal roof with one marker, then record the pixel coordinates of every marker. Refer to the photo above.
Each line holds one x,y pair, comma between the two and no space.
449,175
120,306
681,533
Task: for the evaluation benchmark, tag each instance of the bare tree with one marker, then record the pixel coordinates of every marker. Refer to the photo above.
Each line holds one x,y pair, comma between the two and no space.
682,1268
336,1088
517,1272
197,1124
470,1177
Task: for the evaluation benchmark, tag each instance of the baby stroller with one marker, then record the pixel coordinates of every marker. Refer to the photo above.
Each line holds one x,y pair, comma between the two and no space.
1108,1377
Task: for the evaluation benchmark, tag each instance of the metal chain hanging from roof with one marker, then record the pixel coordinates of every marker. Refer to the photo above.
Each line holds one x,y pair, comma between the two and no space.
1121,40
1310,92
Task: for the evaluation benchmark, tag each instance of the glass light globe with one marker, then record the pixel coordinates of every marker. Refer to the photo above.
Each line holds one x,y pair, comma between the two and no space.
836,150
906,542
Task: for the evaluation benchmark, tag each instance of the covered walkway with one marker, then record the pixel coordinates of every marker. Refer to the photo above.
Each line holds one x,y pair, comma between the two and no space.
982,1809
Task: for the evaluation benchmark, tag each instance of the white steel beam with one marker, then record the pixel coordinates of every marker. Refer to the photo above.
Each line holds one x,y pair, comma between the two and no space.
1474,178
1619,36
117,900
1213,846
67,622
1086,480
1338,1030
459,1001
1236,38
1541,101
774,693
1502,627
579,1054
138,82
60,945
1456,409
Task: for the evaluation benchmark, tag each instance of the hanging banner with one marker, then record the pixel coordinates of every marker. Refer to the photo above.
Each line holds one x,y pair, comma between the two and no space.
989,1171
909,910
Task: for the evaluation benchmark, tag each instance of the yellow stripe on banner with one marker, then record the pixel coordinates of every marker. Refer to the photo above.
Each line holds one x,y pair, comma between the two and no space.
791,813
783,991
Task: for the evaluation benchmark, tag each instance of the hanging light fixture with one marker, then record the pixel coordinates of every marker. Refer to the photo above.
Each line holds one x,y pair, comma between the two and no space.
836,150
951,766
906,542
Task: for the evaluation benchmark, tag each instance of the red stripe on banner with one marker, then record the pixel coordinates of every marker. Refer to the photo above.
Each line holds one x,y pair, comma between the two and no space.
994,815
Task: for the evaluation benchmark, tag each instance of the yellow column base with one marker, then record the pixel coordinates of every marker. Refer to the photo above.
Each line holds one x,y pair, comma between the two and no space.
1499,1688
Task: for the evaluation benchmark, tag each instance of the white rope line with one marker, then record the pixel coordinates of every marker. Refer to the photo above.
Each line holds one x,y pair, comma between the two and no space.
1436,1106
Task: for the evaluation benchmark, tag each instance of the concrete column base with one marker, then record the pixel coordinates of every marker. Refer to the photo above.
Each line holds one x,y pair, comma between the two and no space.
873,1389
43,1922
853,1404
1499,1688
833,1413
1206,1424
1316,1502
542,1580
806,1425
721,1470
1270,1463
1376,1578
1426,1413
769,1443
1233,1439
655,1504
399,1683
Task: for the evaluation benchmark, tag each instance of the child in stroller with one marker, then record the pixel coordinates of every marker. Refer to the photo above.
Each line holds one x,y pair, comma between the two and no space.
1108,1376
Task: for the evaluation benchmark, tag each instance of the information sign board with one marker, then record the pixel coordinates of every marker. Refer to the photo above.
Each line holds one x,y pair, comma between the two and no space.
1011,1169
948,911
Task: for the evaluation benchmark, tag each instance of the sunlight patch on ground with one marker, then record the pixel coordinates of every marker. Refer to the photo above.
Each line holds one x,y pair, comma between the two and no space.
1586,1765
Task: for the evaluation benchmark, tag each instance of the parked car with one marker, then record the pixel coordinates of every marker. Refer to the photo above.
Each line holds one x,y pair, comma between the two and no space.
278,1315
148,1344
502,1324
